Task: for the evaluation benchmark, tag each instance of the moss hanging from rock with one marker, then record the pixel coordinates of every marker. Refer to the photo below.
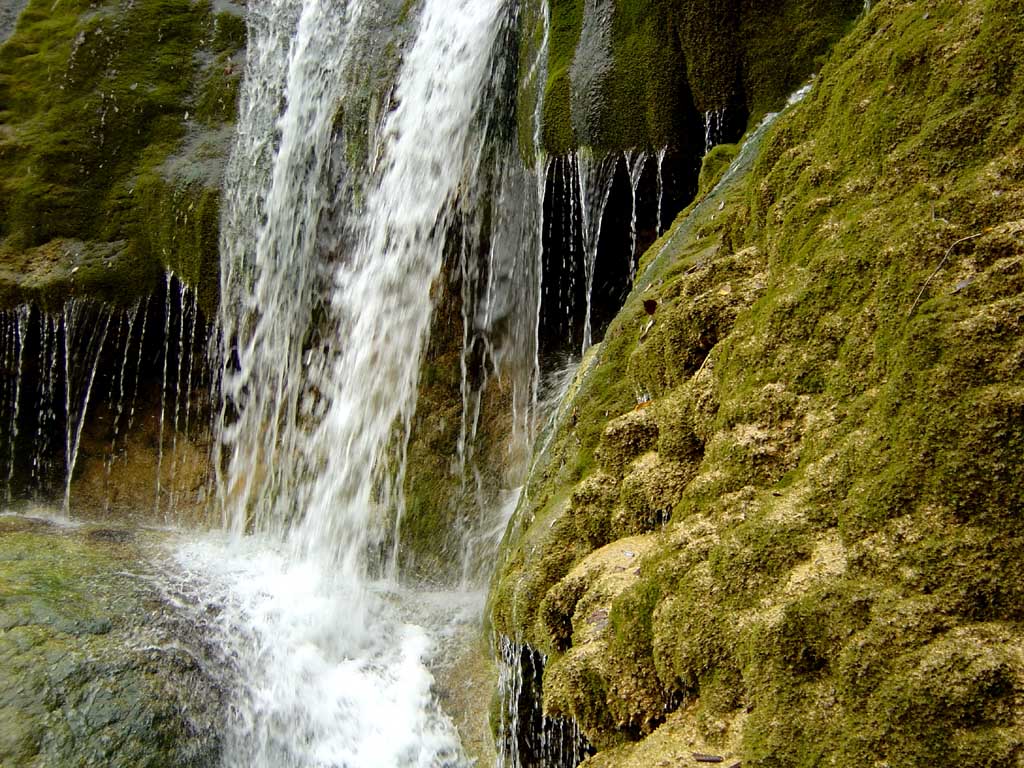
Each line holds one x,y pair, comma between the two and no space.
638,73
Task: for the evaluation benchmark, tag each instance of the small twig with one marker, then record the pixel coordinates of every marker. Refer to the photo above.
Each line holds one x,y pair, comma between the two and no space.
939,269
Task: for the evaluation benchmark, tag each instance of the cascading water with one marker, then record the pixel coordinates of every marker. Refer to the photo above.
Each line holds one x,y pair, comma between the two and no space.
328,260
348,189
72,390
714,128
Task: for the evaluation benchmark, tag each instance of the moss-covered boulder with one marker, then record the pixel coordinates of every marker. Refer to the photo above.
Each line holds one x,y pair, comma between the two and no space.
91,668
837,358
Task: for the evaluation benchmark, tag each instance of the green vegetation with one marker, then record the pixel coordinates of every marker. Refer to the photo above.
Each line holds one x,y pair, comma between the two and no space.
82,681
836,377
95,99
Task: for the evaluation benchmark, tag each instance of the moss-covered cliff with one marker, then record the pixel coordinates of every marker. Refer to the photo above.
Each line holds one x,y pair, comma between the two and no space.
113,139
801,547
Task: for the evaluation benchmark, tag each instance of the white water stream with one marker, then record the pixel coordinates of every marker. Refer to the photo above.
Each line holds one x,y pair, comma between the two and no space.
324,321
310,684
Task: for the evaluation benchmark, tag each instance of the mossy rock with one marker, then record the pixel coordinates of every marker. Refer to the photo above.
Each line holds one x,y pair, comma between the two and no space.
592,505
95,100
626,438
836,582
639,74
650,491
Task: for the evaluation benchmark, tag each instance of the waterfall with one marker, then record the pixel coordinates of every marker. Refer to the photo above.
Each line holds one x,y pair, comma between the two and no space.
381,296
310,454
272,264
19,330
335,228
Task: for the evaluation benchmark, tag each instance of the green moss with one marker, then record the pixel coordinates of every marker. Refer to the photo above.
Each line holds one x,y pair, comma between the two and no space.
95,98
837,355
557,608
179,228
591,509
968,678
581,693
228,32
714,165
218,93
626,438
692,640
756,555
558,135
74,688
666,62
785,43
646,101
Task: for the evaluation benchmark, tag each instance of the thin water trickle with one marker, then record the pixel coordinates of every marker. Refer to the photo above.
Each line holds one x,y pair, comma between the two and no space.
594,176
179,392
79,355
714,125
138,363
661,189
163,392
127,323
528,736
636,160
19,337
190,352
44,396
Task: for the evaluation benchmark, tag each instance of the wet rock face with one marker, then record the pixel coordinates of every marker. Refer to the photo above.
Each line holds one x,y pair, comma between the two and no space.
538,738
94,668
117,398
9,10
640,74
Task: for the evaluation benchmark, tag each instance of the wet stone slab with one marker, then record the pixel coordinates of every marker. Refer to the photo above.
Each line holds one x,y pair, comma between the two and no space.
94,668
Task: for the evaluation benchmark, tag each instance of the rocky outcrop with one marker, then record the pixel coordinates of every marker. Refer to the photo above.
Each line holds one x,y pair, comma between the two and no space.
117,120
640,75
812,445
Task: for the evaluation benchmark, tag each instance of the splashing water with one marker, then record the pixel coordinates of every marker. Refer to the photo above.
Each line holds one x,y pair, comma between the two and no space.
310,687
